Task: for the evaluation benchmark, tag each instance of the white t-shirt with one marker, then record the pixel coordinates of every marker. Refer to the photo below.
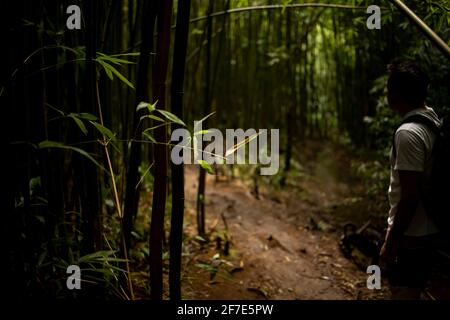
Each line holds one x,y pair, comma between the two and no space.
413,144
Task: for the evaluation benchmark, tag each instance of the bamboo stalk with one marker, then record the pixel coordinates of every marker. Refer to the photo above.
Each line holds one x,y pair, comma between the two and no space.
164,16
177,177
105,143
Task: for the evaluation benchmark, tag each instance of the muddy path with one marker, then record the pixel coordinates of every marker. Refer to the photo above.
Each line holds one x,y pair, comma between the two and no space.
284,243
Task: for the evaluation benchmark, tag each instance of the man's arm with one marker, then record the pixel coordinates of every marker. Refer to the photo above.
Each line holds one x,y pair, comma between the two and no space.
410,161
409,183
409,164
409,198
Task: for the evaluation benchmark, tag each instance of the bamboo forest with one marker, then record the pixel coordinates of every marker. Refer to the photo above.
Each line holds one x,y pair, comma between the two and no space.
224,149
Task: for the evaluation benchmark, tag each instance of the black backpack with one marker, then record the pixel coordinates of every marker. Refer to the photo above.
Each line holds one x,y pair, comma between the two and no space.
437,199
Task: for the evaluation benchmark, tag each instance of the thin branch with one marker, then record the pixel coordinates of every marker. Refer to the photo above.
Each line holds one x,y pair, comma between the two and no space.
280,6
105,143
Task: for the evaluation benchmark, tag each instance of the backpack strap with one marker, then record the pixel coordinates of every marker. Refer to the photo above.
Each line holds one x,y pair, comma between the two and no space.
419,118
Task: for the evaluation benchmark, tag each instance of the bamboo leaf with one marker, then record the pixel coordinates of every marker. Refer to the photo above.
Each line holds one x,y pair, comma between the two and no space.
285,4
149,137
205,165
120,76
170,116
46,144
150,107
108,271
79,123
157,126
104,131
108,72
55,109
201,132
133,54
96,255
86,116
107,69
150,116
112,59
207,116
142,105
118,61
203,119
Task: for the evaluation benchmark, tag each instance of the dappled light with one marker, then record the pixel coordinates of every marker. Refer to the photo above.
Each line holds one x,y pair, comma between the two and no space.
226,150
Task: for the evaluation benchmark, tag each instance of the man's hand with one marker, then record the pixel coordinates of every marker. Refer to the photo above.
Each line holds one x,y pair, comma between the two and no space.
389,250
388,253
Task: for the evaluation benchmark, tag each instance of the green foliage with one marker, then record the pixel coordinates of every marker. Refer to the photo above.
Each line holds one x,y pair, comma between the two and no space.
277,56
205,165
375,176
79,119
78,122
106,62
319,72
104,131
46,144
151,109
145,105
285,3
217,267
98,270
171,117
382,125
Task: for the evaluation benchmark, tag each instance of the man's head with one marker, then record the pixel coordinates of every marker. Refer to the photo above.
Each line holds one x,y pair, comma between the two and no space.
407,86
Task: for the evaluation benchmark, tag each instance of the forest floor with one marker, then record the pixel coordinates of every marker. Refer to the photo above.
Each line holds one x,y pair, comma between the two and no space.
284,243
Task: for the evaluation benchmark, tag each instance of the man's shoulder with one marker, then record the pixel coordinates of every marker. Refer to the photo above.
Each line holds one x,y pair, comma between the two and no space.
414,136
414,129
410,129
420,121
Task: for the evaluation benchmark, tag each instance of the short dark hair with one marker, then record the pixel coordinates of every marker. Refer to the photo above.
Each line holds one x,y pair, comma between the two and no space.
408,80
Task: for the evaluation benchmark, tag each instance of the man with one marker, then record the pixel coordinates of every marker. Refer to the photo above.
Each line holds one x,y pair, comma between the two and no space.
411,233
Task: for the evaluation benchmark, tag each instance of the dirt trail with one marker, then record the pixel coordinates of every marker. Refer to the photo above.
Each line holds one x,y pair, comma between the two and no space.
277,250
